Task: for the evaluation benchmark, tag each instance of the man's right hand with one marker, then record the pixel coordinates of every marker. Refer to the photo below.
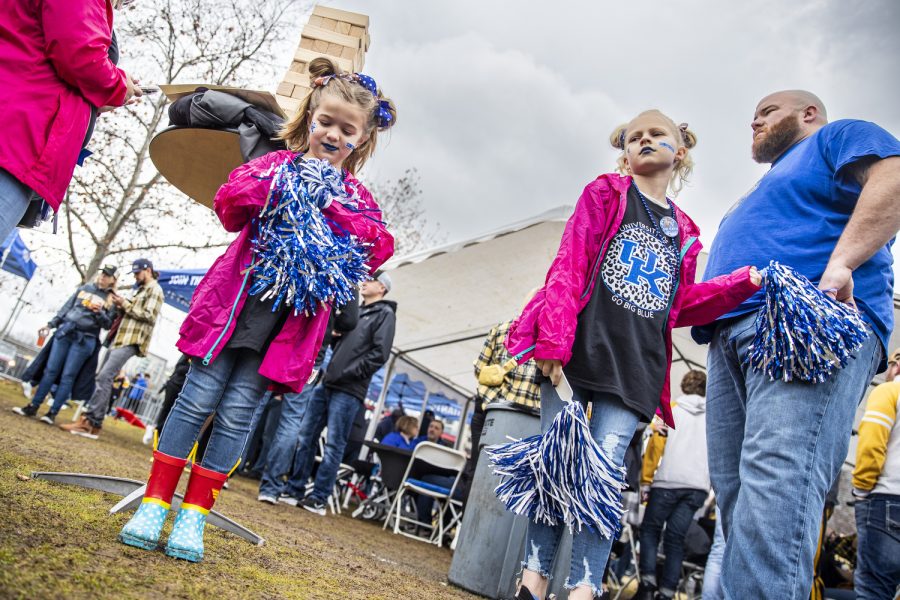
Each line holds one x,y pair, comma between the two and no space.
551,369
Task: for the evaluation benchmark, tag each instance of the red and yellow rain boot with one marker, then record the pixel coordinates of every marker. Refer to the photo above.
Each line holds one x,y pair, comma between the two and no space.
186,539
142,531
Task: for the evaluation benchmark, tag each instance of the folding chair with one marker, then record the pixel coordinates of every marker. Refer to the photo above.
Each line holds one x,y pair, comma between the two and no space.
434,457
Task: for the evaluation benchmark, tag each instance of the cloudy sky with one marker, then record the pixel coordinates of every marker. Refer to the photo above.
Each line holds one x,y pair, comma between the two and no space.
505,108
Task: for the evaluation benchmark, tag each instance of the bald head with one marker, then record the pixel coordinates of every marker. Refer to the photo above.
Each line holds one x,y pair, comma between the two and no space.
800,100
782,119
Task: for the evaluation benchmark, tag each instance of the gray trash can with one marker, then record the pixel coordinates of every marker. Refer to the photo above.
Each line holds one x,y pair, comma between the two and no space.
491,539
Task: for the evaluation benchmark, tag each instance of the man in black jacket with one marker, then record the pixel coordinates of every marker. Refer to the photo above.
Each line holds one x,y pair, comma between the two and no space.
283,450
358,354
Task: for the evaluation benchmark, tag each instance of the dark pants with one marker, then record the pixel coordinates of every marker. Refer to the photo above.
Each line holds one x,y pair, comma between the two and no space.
67,356
877,573
674,509
425,504
254,458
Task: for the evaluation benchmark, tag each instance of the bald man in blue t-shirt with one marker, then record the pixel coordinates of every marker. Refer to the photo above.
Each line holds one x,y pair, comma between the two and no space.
829,207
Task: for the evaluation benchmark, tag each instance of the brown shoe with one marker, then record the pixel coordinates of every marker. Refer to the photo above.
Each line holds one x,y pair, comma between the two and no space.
83,428
79,423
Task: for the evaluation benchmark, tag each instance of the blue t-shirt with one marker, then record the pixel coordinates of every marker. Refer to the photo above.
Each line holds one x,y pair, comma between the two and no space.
796,213
395,439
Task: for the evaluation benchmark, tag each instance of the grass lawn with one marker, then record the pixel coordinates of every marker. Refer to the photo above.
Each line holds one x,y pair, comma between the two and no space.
58,541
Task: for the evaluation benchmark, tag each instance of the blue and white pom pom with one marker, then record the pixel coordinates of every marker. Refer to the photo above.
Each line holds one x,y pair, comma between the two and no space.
298,259
803,334
561,476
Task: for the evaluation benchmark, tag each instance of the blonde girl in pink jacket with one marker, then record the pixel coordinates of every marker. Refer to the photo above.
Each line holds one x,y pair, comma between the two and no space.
622,279
246,328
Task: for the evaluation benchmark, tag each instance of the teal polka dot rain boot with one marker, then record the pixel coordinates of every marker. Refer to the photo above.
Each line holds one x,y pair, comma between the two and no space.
186,539
142,531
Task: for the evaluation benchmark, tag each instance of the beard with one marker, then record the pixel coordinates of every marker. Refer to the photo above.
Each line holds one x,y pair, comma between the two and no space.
776,140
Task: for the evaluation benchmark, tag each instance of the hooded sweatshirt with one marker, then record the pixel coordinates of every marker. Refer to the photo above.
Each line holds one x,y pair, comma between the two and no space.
359,353
684,462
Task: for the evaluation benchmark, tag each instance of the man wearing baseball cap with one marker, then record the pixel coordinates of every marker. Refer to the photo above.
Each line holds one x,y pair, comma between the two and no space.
358,354
132,338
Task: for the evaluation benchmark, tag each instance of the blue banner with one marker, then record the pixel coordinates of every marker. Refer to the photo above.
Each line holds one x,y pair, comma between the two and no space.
179,286
16,257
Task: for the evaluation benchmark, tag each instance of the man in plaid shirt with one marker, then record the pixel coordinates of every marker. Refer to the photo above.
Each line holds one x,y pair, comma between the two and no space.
519,385
139,316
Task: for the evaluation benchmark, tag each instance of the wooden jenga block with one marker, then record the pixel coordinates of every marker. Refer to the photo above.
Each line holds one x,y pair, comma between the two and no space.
284,89
341,15
339,35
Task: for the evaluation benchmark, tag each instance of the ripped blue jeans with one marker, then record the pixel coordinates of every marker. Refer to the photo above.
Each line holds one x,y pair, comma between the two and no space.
612,426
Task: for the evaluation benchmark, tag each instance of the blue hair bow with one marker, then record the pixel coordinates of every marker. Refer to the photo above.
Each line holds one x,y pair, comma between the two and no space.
385,118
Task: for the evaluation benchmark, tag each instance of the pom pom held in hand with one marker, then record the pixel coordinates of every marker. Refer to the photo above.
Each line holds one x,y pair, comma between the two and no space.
803,334
298,259
561,476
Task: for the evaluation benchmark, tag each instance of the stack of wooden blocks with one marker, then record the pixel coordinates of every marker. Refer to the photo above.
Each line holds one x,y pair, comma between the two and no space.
339,35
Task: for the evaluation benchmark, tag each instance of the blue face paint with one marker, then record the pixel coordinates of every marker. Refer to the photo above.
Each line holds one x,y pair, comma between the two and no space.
312,127
350,146
667,145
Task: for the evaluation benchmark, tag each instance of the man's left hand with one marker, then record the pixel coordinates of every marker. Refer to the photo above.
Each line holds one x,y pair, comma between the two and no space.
837,282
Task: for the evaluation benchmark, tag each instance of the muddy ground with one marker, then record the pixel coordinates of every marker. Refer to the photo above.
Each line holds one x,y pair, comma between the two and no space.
58,541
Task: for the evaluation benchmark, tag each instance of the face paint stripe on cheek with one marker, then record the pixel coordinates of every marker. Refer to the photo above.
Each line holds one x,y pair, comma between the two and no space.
667,145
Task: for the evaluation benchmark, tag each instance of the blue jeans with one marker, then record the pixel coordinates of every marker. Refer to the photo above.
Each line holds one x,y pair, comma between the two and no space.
775,448
14,199
712,573
231,387
284,445
675,509
337,410
877,573
69,352
612,426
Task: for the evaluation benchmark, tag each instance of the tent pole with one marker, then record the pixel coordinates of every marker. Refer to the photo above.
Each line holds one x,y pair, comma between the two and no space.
12,314
379,406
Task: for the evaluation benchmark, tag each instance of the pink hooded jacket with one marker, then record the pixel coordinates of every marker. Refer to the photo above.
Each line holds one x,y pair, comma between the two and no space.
549,320
54,63
210,322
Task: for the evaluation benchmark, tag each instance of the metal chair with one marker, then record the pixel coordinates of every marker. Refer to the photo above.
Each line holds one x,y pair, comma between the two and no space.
434,458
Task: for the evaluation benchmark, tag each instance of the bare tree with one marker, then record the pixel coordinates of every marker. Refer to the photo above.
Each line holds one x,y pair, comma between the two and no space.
118,203
402,203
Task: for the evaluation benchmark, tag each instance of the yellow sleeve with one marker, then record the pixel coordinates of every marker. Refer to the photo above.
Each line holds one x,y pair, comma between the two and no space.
656,446
487,352
874,433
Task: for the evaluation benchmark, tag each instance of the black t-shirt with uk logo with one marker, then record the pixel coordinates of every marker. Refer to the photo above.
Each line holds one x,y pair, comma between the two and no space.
619,345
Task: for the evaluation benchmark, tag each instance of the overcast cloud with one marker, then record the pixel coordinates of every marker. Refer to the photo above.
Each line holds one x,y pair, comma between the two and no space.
505,108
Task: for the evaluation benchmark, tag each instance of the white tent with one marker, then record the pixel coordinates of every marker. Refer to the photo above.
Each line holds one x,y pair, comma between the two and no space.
449,297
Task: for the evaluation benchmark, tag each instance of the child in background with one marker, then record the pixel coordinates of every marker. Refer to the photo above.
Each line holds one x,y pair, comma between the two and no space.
243,342
622,279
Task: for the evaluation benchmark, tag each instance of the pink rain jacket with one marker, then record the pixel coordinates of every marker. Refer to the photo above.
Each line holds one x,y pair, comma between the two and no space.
290,357
53,62
549,320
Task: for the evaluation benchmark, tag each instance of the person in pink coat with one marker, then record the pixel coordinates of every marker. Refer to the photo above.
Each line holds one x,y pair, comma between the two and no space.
54,65
623,277
244,342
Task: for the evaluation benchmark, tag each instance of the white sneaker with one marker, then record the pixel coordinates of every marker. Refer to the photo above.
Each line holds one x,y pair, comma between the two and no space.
148,434
267,499
27,389
288,499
